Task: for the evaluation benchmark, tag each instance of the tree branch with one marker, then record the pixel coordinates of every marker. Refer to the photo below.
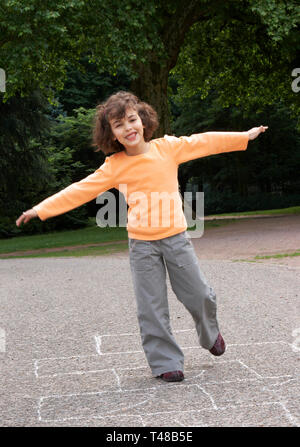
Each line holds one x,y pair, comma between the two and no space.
178,24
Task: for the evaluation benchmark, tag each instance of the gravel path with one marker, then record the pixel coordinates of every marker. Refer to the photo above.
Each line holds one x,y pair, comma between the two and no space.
71,355
245,239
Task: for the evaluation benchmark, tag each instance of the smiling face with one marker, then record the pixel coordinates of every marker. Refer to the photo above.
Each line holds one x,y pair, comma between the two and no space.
129,130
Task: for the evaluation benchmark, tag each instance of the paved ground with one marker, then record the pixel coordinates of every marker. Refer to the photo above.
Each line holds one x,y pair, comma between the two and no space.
70,350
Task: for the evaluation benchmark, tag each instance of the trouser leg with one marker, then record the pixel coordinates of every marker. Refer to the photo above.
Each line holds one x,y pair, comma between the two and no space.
149,281
191,287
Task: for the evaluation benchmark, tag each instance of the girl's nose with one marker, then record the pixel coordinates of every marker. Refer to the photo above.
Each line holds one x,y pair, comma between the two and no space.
127,125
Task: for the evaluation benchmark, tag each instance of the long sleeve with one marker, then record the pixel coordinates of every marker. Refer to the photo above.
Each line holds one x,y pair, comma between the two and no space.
78,193
203,144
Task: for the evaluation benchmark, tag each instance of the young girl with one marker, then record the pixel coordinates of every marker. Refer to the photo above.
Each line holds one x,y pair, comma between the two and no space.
158,240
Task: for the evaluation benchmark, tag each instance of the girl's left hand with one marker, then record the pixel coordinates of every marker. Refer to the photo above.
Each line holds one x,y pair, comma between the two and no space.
255,131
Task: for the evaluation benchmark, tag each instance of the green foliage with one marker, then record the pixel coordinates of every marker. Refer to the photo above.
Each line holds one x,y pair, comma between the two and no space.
86,88
39,39
23,167
243,54
36,38
70,154
235,47
282,18
226,202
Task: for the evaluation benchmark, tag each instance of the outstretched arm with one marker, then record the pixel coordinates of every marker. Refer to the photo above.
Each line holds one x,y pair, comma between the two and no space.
200,145
73,195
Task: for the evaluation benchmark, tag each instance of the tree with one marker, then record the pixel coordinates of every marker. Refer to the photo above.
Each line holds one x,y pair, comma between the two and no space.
247,55
238,45
23,165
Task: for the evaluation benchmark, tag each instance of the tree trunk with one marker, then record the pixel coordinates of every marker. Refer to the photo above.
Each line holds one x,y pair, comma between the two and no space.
151,86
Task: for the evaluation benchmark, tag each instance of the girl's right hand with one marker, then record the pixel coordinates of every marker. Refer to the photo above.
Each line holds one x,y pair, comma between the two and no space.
255,131
26,217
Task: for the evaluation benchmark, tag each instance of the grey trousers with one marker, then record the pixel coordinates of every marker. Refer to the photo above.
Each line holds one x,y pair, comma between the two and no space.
149,261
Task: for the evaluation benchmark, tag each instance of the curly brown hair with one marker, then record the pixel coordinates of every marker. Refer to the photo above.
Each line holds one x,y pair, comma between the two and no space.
115,108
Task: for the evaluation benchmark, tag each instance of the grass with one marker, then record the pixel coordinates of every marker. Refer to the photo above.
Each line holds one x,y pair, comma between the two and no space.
89,235
282,255
95,235
277,256
86,251
219,223
291,210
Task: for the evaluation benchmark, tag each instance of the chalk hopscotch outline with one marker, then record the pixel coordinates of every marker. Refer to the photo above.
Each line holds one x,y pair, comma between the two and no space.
258,378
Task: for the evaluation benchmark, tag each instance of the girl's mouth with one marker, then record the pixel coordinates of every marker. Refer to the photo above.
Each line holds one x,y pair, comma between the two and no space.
131,137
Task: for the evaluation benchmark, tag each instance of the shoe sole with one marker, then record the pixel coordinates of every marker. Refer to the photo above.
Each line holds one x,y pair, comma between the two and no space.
179,379
217,354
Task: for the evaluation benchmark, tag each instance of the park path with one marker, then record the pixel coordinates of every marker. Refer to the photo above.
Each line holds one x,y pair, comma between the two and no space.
247,238
241,239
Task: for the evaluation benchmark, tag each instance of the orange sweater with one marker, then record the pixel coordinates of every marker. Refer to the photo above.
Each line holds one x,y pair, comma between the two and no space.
145,180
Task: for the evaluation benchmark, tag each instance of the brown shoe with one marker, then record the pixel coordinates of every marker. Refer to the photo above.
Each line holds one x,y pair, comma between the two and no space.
172,376
219,346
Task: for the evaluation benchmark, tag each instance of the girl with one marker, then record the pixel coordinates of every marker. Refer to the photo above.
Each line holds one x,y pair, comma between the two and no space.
158,241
